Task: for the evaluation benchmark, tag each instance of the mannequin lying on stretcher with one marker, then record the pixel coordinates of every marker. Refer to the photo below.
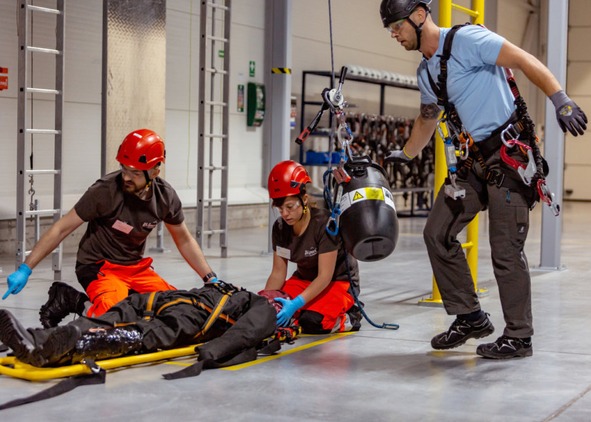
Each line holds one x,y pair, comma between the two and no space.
226,319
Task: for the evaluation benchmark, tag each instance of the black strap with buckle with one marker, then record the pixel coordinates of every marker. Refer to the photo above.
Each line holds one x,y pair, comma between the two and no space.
495,177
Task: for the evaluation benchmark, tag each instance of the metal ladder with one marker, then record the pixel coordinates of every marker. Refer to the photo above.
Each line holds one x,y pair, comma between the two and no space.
214,88
26,132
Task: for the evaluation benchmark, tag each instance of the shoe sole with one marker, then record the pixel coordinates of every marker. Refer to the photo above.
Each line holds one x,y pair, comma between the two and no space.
474,334
523,354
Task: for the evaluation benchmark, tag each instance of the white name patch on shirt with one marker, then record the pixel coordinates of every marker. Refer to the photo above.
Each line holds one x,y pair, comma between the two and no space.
122,227
283,252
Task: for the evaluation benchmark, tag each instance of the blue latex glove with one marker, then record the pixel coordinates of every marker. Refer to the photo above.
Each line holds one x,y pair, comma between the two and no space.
398,156
289,308
17,280
569,114
213,280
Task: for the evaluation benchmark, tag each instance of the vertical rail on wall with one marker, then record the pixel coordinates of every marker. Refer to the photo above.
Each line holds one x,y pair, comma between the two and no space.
476,14
213,120
551,236
27,133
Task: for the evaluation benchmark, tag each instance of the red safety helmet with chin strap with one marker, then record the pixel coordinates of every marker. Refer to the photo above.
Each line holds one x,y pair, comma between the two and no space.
142,149
287,178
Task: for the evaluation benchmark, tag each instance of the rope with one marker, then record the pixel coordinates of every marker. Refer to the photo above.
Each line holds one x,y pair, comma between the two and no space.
331,45
360,305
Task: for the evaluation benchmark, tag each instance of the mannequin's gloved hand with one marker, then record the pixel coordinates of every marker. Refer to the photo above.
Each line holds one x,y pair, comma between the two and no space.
17,280
289,308
398,156
569,114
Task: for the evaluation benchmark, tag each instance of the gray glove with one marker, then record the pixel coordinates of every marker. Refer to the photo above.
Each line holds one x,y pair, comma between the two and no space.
569,114
398,156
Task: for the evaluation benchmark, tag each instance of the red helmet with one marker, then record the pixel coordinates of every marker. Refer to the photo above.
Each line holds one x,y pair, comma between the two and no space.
142,149
287,178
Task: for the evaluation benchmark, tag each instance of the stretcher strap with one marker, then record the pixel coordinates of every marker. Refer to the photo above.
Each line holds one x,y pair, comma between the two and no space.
195,369
98,376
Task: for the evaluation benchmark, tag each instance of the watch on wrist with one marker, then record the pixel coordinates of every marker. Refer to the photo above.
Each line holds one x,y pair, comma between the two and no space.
209,276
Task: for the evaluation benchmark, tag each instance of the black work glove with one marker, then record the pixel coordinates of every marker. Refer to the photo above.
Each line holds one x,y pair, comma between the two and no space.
569,114
398,156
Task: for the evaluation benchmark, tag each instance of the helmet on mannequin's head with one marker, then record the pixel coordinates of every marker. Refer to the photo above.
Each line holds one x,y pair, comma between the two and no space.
142,149
287,178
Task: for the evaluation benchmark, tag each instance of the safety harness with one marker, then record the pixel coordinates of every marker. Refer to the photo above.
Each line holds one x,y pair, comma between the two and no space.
518,131
268,346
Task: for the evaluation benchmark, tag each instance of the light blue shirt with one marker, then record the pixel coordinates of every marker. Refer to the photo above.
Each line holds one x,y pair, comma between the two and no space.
475,85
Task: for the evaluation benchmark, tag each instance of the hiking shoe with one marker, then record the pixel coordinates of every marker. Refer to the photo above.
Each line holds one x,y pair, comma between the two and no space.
63,300
506,348
354,318
460,331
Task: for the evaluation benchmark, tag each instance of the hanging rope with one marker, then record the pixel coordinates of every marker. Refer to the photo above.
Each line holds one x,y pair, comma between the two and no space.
31,191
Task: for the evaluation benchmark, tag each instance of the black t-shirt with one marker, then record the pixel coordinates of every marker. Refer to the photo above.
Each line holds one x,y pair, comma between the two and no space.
304,249
119,222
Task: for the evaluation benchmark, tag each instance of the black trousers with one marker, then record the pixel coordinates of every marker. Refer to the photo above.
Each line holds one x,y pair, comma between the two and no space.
508,213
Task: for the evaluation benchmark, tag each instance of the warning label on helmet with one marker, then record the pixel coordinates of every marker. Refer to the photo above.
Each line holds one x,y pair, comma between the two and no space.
367,194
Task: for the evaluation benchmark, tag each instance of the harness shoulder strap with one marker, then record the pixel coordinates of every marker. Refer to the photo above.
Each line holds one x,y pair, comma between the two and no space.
441,90
148,313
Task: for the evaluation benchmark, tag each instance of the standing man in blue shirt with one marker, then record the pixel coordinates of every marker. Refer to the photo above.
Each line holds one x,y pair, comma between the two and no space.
471,85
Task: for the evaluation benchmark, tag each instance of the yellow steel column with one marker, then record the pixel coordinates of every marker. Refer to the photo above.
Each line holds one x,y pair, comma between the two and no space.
471,245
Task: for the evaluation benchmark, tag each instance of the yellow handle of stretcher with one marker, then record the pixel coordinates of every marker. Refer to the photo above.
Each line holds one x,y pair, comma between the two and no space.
12,367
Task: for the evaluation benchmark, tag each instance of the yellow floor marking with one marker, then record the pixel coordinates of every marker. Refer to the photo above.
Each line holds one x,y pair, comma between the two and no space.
288,352
278,355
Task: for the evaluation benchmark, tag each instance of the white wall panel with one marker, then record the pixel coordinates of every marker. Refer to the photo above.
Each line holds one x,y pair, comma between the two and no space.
579,13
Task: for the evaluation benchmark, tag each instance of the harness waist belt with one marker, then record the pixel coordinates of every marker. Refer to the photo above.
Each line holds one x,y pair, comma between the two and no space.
510,129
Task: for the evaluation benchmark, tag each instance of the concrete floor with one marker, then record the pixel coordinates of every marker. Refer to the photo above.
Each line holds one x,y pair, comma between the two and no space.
371,375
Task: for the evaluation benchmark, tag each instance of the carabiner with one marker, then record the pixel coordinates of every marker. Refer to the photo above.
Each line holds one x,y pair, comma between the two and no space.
547,197
344,134
332,227
507,140
466,142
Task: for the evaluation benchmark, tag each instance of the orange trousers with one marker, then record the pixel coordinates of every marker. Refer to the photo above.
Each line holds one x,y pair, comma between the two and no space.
114,282
332,303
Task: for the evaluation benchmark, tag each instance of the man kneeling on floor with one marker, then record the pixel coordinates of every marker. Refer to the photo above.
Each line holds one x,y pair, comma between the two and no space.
228,320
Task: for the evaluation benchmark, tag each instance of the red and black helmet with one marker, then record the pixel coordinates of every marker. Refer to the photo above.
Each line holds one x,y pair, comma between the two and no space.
287,178
142,149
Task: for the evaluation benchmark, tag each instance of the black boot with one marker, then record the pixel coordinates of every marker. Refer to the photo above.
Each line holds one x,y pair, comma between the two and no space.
63,300
103,343
15,336
54,349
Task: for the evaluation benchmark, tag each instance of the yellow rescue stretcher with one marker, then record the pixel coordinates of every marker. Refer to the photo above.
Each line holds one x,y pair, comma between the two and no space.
12,367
